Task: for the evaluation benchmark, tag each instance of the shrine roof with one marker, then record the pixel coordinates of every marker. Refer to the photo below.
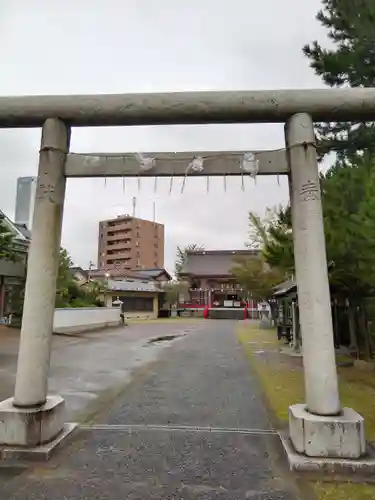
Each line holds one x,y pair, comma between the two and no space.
213,262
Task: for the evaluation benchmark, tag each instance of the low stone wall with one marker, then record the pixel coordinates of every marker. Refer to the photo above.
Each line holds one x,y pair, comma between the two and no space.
192,313
140,315
226,313
80,319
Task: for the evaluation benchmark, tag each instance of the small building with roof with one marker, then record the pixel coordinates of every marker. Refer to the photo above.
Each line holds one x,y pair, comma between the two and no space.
139,291
287,313
140,298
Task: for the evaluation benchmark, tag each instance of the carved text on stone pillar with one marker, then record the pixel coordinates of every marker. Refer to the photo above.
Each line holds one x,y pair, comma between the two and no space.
309,191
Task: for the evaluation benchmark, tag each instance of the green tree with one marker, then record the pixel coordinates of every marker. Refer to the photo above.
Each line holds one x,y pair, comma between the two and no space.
349,214
256,276
8,245
181,255
69,292
348,196
273,236
174,290
93,291
65,279
349,60
258,228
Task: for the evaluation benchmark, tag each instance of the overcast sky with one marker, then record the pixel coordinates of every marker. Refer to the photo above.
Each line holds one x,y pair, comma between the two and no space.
119,46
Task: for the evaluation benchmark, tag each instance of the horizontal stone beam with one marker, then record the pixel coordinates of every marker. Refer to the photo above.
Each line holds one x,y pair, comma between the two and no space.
173,164
268,106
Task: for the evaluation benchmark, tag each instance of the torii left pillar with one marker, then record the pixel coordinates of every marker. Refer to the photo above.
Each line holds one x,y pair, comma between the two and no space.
32,417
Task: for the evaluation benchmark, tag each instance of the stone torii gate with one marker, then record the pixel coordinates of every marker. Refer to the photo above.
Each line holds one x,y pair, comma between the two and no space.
321,427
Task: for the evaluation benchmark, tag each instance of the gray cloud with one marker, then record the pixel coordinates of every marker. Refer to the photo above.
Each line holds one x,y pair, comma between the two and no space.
114,46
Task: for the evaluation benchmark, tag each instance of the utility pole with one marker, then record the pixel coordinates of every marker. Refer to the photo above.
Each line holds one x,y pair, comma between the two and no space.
90,267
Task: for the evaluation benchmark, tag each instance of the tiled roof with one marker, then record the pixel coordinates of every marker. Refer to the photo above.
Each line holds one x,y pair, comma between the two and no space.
26,232
152,272
291,284
20,232
77,269
122,273
213,262
113,272
285,287
132,286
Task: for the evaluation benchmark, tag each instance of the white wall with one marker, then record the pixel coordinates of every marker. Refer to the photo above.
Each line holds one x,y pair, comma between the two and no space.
78,319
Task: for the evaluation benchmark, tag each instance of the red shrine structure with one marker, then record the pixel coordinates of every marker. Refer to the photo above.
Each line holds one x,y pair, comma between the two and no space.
211,282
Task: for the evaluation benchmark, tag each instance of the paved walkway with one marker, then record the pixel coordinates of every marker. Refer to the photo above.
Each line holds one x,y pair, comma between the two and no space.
155,441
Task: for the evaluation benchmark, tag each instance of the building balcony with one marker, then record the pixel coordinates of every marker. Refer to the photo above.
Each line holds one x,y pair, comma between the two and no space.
119,226
118,247
118,255
118,234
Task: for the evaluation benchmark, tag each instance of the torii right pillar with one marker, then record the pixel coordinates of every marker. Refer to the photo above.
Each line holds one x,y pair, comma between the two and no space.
320,427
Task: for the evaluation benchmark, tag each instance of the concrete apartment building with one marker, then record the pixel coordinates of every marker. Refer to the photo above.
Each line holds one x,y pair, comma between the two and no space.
128,243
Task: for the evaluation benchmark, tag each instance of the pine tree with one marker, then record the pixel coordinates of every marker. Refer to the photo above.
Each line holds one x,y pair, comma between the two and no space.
350,61
349,212
348,194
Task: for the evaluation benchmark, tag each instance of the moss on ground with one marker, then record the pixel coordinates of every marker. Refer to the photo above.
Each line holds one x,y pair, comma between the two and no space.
281,378
344,491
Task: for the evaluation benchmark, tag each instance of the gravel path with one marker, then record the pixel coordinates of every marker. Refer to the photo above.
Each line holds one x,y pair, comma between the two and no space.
192,427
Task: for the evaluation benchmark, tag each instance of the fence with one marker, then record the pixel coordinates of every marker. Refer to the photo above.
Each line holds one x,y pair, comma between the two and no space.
78,319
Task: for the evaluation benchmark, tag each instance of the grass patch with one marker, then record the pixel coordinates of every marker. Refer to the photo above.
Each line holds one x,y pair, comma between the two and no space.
282,386
344,491
281,378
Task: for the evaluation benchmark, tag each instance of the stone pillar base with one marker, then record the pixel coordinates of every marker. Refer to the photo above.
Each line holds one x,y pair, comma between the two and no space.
340,436
31,427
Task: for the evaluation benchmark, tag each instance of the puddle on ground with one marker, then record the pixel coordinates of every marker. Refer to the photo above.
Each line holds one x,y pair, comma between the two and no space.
163,338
